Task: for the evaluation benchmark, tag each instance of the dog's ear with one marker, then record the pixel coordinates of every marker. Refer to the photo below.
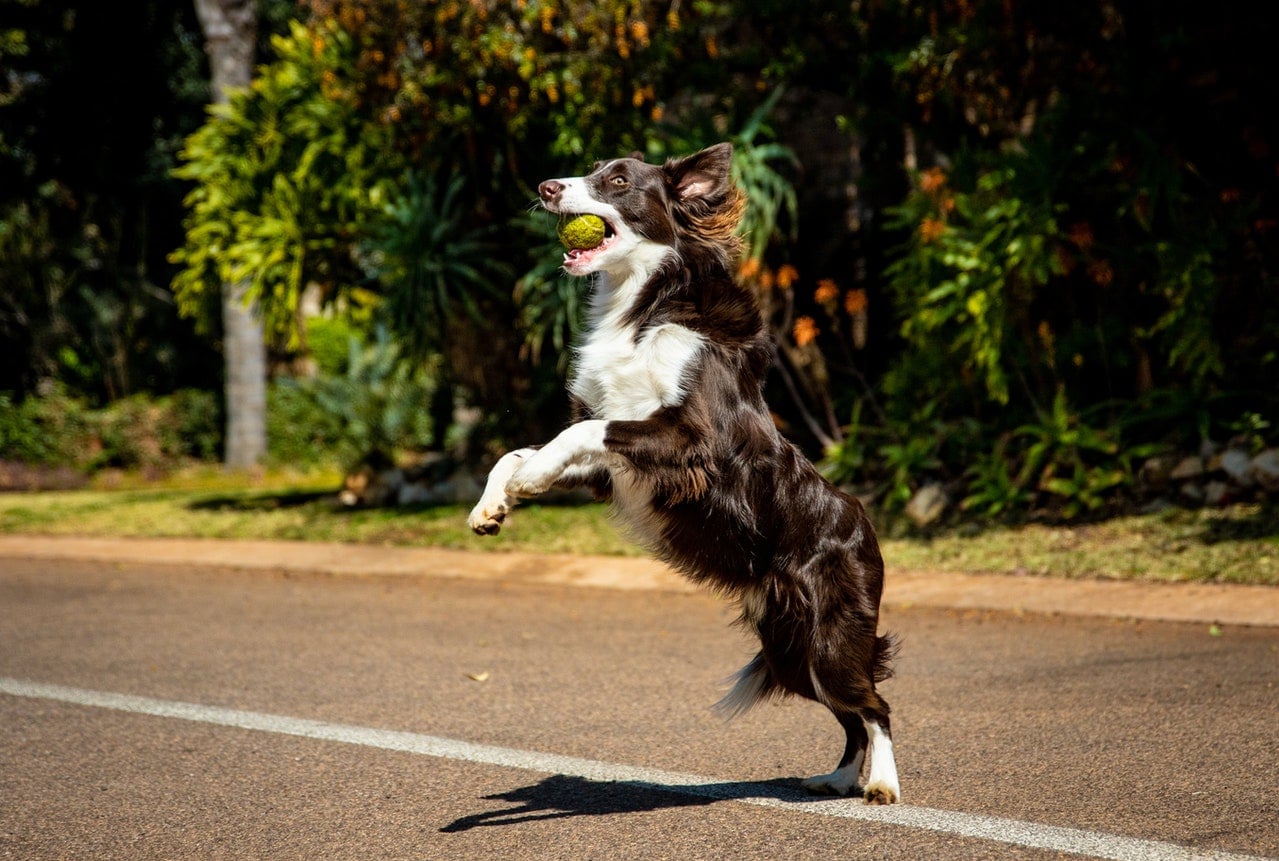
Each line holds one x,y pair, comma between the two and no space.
637,155
702,176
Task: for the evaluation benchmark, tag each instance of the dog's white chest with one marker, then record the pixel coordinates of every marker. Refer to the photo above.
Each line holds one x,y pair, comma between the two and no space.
620,377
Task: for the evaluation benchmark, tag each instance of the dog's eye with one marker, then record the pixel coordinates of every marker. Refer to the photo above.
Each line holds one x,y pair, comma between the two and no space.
619,181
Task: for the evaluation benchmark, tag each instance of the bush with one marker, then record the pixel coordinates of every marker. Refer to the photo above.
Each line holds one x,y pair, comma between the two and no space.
138,432
299,431
380,404
45,431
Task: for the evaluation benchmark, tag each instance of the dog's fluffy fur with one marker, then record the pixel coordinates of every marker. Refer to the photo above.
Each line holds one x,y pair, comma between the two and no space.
677,433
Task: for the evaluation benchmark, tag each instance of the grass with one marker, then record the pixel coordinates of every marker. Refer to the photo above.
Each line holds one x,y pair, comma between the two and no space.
1239,544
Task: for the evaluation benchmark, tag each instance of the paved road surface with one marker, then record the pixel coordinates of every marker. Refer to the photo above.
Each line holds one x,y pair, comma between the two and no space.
423,718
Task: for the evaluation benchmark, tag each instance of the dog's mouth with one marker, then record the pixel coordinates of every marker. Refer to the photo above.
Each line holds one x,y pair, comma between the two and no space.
577,261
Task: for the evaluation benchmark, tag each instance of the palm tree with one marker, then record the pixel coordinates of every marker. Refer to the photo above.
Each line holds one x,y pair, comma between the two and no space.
230,31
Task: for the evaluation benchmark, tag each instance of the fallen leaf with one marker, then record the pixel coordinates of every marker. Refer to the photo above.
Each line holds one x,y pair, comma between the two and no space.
478,677
1214,631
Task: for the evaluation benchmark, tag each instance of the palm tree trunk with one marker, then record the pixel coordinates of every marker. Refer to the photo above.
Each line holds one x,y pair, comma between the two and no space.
230,31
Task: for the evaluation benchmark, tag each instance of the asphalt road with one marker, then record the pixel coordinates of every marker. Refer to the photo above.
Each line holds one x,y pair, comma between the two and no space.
278,717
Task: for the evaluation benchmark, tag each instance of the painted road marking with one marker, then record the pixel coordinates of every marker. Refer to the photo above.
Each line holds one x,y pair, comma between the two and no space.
1031,835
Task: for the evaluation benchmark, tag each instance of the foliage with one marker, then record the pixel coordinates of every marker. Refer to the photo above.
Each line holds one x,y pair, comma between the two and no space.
288,174
138,432
973,265
1074,223
378,405
49,430
93,103
433,264
1036,239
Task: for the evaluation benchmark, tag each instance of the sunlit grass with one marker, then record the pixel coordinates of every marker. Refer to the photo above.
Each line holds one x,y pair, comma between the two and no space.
1237,544
305,510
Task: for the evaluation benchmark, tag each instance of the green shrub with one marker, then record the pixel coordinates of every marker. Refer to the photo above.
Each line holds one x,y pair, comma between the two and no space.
381,404
138,432
299,430
49,430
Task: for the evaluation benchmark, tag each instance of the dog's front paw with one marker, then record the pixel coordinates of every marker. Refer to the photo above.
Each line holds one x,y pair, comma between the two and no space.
487,516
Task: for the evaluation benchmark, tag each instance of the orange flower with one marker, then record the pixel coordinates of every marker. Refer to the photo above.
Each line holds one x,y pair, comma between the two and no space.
931,229
749,268
931,180
855,302
1045,333
786,276
1081,235
1101,273
827,291
805,331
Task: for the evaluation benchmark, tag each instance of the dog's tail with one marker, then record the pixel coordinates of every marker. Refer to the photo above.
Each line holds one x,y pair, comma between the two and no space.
886,647
751,684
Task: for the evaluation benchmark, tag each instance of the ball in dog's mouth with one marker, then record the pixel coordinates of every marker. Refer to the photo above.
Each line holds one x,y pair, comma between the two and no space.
582,232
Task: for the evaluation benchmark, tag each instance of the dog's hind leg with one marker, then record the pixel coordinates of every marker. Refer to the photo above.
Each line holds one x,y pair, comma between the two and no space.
882,786
843,780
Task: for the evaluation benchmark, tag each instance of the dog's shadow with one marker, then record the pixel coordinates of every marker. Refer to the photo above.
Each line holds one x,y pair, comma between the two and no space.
560,797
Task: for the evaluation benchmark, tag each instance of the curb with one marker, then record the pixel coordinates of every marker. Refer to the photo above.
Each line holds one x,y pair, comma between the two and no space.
1203,603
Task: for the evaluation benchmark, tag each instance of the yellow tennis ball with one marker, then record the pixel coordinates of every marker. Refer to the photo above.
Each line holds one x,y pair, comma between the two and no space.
581,232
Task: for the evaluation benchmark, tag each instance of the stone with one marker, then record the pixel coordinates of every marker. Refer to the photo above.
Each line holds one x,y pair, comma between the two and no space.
1237,466
1154,472
928,504
1264,468
1187,468
1216,493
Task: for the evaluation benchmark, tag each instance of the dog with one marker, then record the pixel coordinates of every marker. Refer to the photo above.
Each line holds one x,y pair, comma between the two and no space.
675,430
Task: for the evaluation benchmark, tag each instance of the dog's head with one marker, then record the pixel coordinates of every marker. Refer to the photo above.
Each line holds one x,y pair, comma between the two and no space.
652,211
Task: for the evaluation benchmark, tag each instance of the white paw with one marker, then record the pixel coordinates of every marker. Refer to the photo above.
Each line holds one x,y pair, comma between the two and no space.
840,782
487,516
830,784
882,792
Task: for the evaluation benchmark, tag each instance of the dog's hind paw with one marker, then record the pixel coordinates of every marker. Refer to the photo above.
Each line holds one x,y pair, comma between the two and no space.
881,792
841,782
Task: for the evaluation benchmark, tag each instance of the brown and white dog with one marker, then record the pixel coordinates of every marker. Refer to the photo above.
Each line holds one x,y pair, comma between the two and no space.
680,438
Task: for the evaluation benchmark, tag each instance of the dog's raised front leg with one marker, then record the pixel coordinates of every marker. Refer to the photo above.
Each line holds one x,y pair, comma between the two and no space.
487,515
579,449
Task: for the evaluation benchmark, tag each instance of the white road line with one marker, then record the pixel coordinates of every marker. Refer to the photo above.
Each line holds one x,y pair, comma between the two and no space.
1032,835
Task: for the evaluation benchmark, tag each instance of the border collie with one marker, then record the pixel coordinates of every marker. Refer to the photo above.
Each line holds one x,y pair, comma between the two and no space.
678,435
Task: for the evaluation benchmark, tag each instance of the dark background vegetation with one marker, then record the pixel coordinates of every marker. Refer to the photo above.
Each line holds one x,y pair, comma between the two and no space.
1022,251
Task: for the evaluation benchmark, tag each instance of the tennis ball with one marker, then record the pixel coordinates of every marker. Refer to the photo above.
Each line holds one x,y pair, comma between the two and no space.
581,232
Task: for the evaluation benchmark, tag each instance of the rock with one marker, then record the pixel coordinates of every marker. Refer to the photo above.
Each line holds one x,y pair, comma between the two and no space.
928,504
1216,493
1187,468
1237,466
1192,492
1264,469
461,488
1154,472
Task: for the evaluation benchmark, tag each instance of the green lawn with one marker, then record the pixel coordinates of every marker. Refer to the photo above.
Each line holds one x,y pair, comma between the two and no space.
1239,544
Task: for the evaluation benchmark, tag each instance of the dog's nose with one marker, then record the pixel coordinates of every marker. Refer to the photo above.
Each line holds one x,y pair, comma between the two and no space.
550,189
